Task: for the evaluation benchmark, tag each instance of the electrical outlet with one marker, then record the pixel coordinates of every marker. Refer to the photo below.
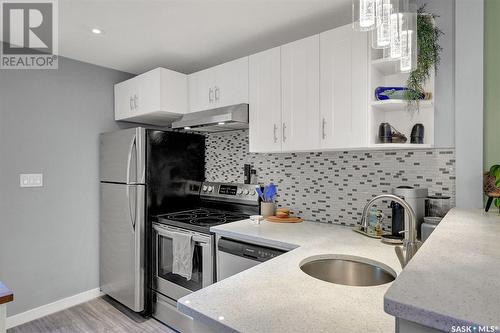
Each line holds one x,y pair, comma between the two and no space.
31,180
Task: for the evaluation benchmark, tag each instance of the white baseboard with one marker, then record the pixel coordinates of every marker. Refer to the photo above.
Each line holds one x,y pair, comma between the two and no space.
50,308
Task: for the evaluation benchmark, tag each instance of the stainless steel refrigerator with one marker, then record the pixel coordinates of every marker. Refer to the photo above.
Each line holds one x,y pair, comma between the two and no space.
143,173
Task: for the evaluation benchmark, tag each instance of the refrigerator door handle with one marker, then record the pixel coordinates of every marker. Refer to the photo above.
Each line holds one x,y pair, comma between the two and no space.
133,144
132,209
139,230
140,150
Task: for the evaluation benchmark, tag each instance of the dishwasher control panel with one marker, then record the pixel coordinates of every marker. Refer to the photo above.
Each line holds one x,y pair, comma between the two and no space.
247,250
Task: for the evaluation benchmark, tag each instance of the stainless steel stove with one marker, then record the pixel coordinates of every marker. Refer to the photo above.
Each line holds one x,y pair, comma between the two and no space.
202,218
217,203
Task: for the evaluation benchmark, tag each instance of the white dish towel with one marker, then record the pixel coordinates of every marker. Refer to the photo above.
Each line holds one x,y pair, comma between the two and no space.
183,248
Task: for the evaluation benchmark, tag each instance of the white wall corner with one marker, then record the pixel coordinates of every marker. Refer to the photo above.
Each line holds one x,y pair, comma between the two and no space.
469,49
51,308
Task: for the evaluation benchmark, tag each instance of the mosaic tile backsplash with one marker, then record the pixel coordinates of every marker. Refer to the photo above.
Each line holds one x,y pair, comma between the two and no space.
331,187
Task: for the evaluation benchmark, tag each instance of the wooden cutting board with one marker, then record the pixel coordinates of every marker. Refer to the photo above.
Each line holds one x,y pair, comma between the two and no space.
289,219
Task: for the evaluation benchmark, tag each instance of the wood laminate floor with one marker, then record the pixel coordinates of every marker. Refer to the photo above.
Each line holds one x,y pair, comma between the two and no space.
96,316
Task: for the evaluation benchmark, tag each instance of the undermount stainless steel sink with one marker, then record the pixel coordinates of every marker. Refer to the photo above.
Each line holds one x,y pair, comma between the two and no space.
348,270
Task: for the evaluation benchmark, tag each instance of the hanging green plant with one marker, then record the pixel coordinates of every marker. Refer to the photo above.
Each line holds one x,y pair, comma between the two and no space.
428,58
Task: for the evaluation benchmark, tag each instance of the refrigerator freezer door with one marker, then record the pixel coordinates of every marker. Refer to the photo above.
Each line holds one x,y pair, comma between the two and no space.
175,160
122,248
122,156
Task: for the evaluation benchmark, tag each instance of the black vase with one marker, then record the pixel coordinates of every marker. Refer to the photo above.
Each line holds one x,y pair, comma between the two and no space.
417,133
385,133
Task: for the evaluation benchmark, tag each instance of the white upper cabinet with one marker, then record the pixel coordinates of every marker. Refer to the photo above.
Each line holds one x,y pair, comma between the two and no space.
300,95
265,101
344,86
157,97
231,82
124,98
201,90
219,86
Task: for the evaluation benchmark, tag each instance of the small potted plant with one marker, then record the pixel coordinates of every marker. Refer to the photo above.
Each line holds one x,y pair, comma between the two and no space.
491,186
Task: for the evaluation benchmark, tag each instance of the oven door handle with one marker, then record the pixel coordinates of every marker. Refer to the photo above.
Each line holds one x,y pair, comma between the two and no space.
163,231
208,274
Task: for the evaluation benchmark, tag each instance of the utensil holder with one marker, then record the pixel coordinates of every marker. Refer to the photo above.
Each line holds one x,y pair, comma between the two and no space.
267,209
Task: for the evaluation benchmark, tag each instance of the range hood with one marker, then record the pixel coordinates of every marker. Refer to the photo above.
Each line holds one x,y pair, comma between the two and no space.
228,118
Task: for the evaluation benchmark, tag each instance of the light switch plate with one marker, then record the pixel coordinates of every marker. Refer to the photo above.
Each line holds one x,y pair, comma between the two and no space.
31,180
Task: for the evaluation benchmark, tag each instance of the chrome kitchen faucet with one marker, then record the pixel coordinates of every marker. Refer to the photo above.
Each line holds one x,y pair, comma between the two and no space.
410,243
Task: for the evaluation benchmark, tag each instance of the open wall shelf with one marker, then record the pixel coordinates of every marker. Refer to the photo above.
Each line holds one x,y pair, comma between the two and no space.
385,73
399,105
401,146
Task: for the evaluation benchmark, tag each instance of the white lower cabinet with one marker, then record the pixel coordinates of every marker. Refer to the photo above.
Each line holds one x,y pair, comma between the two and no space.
265,101
344,86
300,94
157,97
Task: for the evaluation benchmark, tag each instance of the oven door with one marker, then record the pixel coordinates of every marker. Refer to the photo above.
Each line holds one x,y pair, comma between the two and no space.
172,285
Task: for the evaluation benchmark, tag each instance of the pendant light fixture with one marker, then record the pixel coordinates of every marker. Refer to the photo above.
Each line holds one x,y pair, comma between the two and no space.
394,28
409,40
381,36
364,15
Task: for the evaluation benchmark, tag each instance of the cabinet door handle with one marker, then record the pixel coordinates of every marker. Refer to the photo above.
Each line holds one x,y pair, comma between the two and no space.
136,103
323,128
216,94
283,134
275,131
210,95
131,103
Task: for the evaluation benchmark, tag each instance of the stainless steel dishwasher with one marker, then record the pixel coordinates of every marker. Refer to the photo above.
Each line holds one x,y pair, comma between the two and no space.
234,256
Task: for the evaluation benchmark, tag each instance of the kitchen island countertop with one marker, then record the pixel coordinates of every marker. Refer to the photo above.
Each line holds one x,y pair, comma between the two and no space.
276,296
454,279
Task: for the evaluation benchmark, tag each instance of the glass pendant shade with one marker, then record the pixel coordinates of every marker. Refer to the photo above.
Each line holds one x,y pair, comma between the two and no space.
364,15
406,52
396,30
409,40
381,36
386,53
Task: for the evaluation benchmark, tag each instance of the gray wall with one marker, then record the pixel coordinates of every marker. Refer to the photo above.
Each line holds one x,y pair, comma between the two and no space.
49,123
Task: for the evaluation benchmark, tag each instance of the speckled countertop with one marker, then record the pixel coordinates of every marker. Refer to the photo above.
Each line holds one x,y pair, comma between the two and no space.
455,277
276,296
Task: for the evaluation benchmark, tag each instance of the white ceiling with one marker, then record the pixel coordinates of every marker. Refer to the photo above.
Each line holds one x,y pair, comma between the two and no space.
187,35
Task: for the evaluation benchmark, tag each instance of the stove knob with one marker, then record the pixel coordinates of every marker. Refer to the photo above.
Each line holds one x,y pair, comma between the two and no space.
210,188
239,191
205,188
252,193
245,191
